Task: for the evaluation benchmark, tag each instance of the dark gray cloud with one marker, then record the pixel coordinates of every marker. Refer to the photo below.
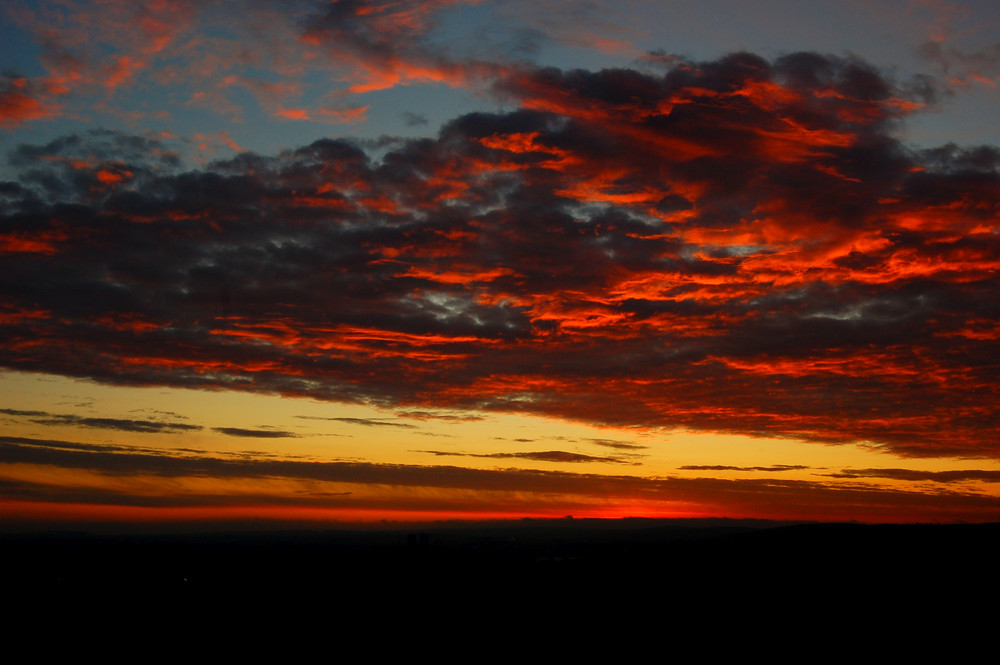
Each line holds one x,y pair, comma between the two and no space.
255,433
538,456
24,413
364,422
723,467
618,445
414,119
121,424
958,476
741,245
435,415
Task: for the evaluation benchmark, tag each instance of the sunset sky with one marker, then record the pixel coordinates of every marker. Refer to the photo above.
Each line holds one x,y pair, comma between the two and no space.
311,262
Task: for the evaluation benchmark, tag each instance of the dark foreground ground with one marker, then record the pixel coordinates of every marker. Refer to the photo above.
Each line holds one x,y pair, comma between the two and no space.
527,576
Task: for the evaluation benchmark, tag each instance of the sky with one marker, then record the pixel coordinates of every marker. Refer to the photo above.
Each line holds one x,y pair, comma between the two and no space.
314,263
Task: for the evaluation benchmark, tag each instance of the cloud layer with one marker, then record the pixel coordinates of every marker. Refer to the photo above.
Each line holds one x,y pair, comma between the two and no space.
740,245
199,55
161,479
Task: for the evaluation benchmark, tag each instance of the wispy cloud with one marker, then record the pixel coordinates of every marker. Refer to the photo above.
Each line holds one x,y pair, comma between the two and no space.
538,456
723,467
618,445
255,433
956,476
22,100
364,422
442,416
121,424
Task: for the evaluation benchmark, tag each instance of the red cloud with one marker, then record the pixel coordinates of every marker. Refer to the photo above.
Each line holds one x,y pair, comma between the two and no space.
20,102
739,245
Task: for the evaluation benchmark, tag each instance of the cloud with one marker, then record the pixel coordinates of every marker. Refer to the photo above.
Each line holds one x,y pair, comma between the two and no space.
95,54
414,119
365,422
385,44
24,413
722,467
956,476
538,456
96,48
618,445
434,415
21,101
121,424
255,433
757,497
963,67
739,245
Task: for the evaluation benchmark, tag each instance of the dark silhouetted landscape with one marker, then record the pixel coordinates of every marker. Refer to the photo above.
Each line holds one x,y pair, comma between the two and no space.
538,566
